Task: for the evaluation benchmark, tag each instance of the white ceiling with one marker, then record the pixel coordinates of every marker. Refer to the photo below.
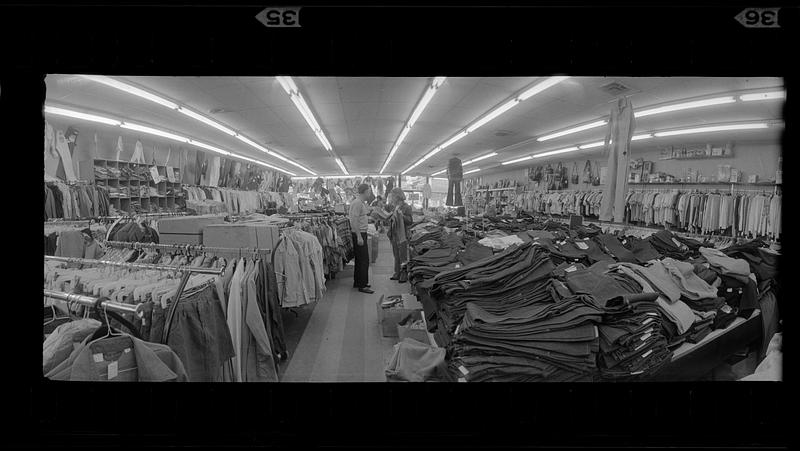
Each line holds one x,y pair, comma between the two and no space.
362,116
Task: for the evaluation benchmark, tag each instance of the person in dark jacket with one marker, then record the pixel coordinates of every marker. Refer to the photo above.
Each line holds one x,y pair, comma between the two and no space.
399,229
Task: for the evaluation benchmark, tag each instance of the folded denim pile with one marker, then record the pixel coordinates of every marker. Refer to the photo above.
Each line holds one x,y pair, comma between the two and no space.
632,345
553,340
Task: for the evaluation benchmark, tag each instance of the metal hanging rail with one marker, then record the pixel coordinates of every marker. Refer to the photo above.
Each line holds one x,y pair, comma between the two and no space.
187,271
186,247
90,301
143,266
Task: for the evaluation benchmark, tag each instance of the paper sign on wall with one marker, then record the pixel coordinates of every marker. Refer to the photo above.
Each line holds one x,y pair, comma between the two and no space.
170,175
154,173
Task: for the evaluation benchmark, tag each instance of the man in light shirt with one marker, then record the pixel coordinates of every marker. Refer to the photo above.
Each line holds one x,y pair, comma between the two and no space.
359,213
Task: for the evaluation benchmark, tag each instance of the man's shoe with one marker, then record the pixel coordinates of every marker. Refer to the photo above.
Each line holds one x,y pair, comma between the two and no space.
393,278
365,290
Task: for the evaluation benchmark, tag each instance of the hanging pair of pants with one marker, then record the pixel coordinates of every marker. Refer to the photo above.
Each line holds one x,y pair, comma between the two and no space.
361,273
400,252
454,187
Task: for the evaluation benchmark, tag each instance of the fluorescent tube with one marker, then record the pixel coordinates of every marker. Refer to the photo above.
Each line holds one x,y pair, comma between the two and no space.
78,115
685,106
716,128
131,90
153,131
573,130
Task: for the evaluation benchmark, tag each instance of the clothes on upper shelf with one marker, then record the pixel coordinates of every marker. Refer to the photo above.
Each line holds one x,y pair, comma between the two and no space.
78,201
749,213
584,203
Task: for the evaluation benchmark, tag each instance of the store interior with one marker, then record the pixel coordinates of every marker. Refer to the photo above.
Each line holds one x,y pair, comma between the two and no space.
410,229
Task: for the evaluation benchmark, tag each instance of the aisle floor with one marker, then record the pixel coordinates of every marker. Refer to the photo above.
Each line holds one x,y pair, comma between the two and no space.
339,339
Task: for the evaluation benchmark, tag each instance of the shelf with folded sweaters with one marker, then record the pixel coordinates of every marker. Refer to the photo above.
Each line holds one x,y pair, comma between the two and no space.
132,187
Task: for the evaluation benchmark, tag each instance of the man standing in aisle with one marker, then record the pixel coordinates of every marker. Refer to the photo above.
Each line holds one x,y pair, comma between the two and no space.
358,225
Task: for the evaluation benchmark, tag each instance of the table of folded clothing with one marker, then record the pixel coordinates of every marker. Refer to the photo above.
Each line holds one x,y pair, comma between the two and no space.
561,305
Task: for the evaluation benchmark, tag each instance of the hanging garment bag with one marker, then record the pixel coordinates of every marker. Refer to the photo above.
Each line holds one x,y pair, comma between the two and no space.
575,175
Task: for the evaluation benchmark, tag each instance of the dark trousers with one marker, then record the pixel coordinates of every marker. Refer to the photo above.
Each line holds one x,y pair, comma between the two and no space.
361,273
400,252
454,187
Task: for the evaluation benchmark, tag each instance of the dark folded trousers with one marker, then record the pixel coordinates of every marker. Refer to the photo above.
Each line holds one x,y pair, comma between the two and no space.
361,271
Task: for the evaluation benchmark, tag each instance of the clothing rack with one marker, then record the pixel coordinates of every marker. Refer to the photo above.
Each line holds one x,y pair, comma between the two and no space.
188,248
187,271
90,301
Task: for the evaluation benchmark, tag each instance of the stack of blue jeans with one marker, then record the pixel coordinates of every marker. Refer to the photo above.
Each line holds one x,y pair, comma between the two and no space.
632,344
548,341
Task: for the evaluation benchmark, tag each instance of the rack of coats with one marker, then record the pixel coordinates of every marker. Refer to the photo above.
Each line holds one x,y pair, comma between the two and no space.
741,213
179,312
93,349
65,239
332,232
247,286
299,265
76,200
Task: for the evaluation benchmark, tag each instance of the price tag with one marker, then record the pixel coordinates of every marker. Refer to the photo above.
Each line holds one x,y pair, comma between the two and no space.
113,370
461,379
154,173
98,357
571,268
581,245
677,243
647,353
463,370
646,336
726,308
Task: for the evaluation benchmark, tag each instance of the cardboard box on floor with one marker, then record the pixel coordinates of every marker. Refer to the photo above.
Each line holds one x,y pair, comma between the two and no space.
405,331
391,317
249,235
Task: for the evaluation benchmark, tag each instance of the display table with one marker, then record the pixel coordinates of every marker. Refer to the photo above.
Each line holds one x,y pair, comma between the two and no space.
690,362
693,361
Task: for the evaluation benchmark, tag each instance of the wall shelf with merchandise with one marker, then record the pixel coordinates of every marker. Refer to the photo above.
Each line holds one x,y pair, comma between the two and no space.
132,187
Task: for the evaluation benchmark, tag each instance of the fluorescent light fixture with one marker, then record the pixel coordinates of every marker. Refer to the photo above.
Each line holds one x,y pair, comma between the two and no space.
517,160
341,166
573,130
153,131
452,140
479,158
643,136
685,106
592,145
555,152
206,120
440,172
299,102
716,128
264,164
288,84
763,96
209,147
426,98
439,178
482,121
540,87
252,143
500,110
423,103
472,170
131,90
78,115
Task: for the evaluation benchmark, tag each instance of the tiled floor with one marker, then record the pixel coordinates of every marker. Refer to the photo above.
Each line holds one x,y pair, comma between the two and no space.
339,339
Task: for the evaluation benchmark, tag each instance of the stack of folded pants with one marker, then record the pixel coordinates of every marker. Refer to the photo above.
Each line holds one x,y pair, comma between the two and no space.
632,344
555,340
